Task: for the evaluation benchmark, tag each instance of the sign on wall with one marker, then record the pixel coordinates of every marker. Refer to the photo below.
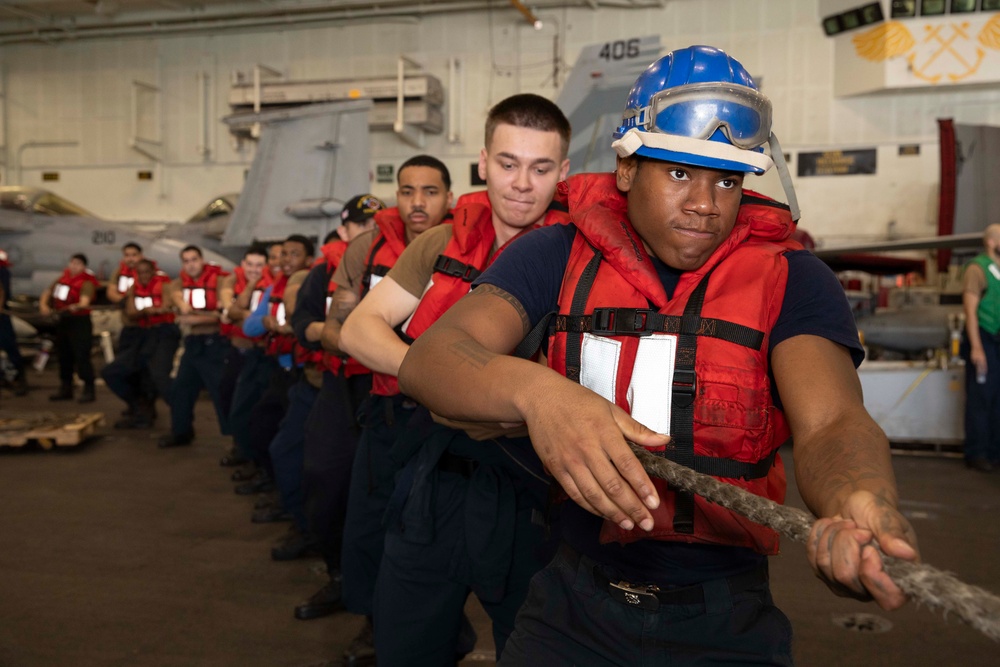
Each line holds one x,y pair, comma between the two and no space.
837,163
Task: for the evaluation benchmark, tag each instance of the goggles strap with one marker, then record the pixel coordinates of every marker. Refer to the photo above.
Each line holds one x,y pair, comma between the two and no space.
786,178
632,140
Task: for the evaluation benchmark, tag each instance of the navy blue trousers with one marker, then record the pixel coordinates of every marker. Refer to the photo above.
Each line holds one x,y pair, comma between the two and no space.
982,403
254,378
331,439
200,368
143,353
287,450
74,340
422,587
371,486
569,618
8,342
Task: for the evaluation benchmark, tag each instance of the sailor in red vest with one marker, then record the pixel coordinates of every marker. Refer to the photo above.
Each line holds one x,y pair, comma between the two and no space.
70,297
124,275
460,518
239,295
690,324
270,319
8,339
195,296
147,303
424,200
131,334
307,312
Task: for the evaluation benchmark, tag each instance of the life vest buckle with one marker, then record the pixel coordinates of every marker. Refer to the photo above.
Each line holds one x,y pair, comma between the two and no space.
684,388
621,322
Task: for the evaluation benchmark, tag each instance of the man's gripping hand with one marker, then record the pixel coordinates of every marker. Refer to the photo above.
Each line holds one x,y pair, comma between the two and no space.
581,439
842,553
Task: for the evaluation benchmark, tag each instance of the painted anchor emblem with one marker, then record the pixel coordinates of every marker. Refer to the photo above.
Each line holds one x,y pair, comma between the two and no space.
946,46
948,51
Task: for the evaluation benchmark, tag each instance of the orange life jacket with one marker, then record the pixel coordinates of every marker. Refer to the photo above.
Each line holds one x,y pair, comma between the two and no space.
278,344
387,246
150,295
68,289
127,276
468,253
236,330
694,365
201,293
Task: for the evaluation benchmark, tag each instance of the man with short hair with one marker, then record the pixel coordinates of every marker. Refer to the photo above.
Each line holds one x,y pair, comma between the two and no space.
460,518
131,335
424,200
124,275
195,297
148,304
270,319
981,351
245,378
687,322
306,299
70,297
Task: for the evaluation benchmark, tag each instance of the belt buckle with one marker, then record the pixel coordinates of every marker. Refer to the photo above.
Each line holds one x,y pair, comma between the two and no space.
635,596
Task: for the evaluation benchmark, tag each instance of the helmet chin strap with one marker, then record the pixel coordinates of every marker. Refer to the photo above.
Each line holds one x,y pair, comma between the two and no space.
778,156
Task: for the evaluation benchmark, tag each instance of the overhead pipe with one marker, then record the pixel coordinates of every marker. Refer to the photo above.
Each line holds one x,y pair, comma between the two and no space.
264,18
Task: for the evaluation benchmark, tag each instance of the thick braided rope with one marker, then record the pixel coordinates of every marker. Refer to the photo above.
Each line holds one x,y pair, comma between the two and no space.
924,583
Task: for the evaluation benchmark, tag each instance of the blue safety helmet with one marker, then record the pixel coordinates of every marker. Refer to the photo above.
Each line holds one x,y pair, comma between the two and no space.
697,106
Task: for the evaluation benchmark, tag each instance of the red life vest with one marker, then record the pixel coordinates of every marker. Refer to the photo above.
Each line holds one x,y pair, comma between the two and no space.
127,276
468,254
4,259
325,361
714,332
68,289
388,244
151,296
331,253
201,293
236,330
278,344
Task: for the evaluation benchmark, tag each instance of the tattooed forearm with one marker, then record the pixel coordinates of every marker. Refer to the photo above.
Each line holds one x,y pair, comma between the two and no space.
483,290
852,461
471,352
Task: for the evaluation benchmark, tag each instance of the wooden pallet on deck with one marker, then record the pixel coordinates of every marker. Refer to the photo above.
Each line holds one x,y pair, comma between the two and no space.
49,429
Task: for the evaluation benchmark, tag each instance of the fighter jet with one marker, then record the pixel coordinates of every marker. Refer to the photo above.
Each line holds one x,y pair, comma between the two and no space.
41,230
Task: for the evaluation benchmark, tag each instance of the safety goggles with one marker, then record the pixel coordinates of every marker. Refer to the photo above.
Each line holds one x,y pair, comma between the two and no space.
697,110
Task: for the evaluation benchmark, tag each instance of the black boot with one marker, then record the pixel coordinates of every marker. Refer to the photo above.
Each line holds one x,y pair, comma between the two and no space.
88,395
323,602
361,650
65,393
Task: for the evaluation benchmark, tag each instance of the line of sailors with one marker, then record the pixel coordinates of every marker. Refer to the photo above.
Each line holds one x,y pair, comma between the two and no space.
367,478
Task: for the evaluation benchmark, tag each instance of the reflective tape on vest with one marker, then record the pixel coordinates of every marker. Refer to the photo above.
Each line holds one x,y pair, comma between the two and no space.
650,388
61,292
143,302
255,299
124,282
196,297
279,314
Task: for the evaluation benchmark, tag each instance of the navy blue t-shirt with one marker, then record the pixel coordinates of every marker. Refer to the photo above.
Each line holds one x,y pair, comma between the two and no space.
531,270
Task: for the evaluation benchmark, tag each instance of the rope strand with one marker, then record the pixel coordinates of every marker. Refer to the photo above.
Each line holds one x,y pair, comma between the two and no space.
926,584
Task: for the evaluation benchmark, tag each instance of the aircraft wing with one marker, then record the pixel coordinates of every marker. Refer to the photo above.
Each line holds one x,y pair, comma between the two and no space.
594,96
970,240
309,152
